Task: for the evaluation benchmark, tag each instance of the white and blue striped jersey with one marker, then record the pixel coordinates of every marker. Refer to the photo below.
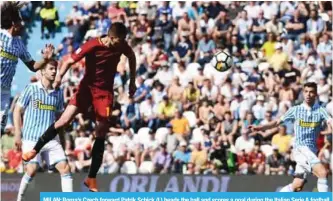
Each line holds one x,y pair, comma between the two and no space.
11,48
41,107
307,124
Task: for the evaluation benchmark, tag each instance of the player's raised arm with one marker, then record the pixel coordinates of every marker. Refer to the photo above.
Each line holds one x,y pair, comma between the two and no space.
34,66
290,114
76,56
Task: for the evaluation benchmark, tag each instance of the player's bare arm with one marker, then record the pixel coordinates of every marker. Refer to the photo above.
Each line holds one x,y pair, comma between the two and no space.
269,125
328,131
48,53
63,70
132,65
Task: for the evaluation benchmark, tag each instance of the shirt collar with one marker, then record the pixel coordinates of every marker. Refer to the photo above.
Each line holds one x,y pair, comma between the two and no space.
39,84
307,107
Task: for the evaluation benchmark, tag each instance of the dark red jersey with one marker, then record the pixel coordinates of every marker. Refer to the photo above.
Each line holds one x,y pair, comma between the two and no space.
101,62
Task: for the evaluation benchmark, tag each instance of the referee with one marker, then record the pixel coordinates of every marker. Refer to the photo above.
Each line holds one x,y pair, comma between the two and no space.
12,48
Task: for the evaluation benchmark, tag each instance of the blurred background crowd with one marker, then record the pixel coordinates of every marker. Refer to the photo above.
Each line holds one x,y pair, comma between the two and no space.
185,116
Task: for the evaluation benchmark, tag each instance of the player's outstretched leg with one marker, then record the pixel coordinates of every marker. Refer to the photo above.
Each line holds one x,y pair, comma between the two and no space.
31,169
320,171
51,132
295,186
66,176
97,156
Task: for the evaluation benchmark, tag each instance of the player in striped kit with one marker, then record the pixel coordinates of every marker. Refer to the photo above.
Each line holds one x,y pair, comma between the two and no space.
12,48
308,118
40,105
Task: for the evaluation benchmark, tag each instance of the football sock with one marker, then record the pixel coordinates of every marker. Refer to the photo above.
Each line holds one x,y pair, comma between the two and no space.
322,185
26,179
287,188
49,134
97,157
67,183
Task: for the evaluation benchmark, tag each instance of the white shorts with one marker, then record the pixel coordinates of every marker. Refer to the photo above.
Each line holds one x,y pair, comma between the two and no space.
5,101
52,152
305,159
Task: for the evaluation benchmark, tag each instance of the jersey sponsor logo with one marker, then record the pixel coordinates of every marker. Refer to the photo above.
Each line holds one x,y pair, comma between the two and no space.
8,55
308,124
39,105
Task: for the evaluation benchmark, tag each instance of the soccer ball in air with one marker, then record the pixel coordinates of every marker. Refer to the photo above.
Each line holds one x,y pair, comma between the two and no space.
221,61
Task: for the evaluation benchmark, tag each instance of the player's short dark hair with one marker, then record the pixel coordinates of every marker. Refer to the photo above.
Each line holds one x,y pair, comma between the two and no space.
51,62
311,85
118,29
10,14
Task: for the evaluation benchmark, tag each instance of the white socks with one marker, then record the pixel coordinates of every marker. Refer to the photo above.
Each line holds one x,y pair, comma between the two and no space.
26,179
287,188
67,183
322,185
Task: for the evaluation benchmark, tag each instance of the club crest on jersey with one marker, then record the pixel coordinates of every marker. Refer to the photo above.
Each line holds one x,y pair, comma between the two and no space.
39,105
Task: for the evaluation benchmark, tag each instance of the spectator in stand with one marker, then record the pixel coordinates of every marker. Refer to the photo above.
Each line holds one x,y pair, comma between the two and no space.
258,29
148,112
183,49
315,26
243,27
166,111
14,157
109,164
275,163
258,109
257,160
131,115
198,157
206,48
243,162
162,160
281,140
244,143
269,46
142,91
7,141
219,156
296,26
229,127
222,28
191,97
102,23
49,17
324,50
180,126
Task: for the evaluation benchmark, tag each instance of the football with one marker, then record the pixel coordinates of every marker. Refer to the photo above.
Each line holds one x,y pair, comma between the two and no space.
222,61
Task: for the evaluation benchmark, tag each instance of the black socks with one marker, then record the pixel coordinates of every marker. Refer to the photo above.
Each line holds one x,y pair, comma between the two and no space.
48,135
97,157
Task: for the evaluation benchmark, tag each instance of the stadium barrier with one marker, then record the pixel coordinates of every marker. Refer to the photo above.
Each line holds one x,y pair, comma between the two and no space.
152,183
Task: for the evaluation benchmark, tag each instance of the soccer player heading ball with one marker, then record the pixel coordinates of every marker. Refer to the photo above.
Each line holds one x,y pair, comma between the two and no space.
308,118
96,89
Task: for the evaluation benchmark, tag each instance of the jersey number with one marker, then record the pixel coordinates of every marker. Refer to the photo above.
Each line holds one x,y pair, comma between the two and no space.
107,111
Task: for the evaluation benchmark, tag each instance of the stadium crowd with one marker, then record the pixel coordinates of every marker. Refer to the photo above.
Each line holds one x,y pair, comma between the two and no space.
185,116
